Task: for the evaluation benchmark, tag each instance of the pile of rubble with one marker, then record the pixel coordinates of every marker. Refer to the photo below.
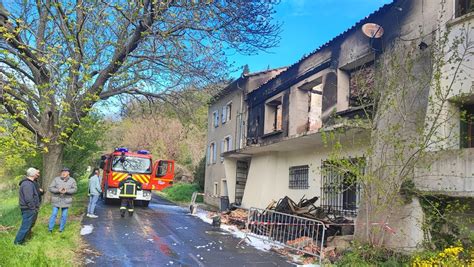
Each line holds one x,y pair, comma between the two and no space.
338,234
236,217
306,208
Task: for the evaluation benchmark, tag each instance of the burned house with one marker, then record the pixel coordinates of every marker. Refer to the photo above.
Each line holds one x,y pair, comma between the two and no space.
295,120
290,116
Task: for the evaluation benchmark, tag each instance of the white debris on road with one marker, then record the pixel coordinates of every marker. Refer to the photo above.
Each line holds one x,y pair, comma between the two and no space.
254,242
87,229
258,243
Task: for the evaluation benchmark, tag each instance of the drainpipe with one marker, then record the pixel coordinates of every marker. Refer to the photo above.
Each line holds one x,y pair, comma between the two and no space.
239,127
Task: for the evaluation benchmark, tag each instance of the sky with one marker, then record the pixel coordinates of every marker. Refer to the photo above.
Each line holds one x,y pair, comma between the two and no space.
307,24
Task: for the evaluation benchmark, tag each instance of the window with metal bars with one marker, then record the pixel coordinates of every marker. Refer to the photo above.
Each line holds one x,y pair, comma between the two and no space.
340,190
299,177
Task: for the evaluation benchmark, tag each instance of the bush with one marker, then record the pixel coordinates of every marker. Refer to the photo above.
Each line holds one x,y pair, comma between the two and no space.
180,192
450,256
199,173
365,255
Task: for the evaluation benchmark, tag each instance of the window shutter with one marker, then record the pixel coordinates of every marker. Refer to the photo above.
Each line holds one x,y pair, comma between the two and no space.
229,111
214,154
224,114
222,149
216,118
208,154
230,143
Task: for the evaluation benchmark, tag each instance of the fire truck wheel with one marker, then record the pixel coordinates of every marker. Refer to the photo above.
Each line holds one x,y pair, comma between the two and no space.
145,203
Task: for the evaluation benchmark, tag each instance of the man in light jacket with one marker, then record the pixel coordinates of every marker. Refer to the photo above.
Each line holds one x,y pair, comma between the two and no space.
94,192
29,200
62,189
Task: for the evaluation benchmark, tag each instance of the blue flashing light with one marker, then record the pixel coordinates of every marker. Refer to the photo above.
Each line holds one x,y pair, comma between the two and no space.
121,149
144,152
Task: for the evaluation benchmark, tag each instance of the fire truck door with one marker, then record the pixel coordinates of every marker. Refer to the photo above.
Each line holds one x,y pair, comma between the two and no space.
163,173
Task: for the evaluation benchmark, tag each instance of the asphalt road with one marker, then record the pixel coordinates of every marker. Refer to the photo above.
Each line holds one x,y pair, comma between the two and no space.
165,235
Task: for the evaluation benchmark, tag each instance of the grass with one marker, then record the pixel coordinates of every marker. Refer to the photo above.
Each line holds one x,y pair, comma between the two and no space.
43,248
180,192
365,255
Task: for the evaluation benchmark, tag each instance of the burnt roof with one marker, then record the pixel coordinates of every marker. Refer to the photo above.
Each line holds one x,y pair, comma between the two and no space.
235,83
382,10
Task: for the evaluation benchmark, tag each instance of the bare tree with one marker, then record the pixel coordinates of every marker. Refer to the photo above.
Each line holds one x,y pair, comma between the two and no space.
58,58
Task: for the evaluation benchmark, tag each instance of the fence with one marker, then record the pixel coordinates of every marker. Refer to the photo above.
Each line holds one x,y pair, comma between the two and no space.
294,232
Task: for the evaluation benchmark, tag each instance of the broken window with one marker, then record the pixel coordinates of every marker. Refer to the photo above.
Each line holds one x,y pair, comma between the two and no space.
463,7
361,85
299,177
340,191
467,126
273,116
215,116
314,89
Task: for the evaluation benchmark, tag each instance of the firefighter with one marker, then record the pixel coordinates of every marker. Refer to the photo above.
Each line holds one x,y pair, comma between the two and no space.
128,192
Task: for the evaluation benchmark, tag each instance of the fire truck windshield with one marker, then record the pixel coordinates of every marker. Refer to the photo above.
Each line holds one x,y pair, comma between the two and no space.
131,164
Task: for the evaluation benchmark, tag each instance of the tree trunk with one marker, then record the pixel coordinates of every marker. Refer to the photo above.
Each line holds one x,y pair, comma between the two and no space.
52,161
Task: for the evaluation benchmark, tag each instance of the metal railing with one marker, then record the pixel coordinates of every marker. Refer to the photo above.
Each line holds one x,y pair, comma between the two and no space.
193,205
294,232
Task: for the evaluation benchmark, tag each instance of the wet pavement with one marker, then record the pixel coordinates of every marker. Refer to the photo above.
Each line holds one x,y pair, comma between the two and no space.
165,235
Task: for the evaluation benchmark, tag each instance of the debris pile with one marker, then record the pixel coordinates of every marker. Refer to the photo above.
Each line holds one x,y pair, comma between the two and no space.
236,217
306,208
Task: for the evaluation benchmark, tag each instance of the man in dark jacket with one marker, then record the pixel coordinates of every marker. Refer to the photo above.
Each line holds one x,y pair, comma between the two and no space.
128,192
29,199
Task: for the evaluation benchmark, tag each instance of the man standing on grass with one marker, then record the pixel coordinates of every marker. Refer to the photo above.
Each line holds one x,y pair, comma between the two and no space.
62,189
29,199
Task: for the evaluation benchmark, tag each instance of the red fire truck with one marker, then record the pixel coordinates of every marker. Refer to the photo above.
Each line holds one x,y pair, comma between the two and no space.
118,164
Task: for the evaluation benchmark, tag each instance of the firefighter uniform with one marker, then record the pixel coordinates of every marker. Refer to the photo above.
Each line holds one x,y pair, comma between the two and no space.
128,192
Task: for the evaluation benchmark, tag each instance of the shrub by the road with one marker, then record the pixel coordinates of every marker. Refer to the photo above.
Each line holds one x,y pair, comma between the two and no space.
43,248
180,192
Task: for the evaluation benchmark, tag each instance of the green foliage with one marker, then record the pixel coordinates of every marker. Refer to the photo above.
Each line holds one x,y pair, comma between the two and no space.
450,256
200,173
366,255
446,220
83,148
408,190
18,150
169,129
43,248
180,192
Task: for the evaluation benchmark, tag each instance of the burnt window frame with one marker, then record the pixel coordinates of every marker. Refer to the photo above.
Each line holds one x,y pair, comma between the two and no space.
273,106
298,177
358,102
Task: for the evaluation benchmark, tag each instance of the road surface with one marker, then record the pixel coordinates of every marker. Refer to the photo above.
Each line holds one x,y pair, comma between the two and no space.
165,235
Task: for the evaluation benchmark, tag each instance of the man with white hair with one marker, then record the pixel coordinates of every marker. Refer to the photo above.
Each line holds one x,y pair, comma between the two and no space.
29,199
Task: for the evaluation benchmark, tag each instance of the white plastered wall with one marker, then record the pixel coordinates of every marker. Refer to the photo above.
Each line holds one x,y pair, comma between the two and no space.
268,177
